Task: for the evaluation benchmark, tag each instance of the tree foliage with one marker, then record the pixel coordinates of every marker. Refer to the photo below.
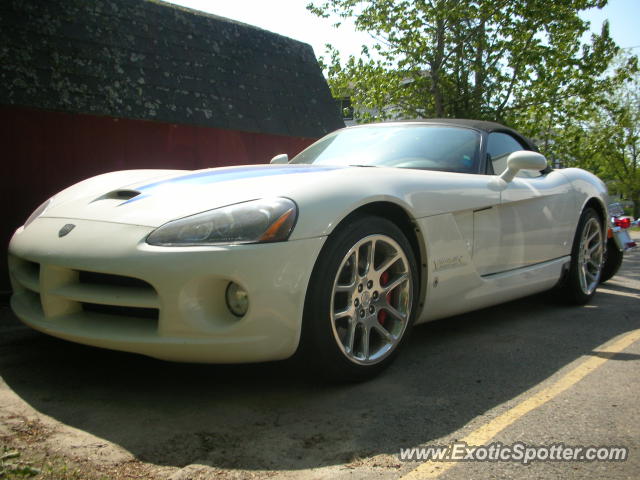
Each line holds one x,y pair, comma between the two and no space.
466,58
604,136
524,63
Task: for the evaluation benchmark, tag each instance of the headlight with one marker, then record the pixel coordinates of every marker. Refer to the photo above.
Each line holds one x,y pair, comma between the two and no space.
257,221
37,212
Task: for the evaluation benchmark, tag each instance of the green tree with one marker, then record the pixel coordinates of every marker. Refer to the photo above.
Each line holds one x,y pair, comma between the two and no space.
490,59
619,153
606,137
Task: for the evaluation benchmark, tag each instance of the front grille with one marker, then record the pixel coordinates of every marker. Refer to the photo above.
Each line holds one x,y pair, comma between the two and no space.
31,268
58,292
96,278
134,312
25,274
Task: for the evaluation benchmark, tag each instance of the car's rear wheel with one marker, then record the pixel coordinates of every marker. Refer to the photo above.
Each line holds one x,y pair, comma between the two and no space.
361,300
586,260
612,261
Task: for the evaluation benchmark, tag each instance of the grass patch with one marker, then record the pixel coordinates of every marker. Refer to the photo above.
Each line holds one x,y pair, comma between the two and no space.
16,465
12,468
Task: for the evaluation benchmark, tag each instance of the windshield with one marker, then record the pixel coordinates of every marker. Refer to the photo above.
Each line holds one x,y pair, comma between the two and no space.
426,147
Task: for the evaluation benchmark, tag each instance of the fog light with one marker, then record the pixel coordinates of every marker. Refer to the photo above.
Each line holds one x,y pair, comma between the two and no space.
237,299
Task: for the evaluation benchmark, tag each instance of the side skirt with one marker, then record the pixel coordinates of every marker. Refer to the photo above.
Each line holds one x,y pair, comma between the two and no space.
495,288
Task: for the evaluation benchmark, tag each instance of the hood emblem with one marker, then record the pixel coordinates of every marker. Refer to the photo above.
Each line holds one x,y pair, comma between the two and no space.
66,229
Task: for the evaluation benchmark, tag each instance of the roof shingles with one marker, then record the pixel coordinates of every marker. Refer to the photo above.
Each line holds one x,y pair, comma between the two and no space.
143,59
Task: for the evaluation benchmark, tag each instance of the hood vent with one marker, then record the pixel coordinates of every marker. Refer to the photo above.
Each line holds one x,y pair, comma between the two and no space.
122,195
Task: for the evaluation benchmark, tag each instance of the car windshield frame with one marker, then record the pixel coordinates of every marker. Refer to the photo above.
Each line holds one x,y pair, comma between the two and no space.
418,146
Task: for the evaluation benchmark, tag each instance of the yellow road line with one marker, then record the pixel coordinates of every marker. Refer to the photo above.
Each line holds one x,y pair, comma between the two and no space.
486,432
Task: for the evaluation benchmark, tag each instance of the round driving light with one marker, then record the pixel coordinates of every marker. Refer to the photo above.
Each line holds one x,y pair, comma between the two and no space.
237,299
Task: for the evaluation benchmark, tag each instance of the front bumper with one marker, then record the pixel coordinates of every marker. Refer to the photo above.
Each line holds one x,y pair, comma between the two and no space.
102,285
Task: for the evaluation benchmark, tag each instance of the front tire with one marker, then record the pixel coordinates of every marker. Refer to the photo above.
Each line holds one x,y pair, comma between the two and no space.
361,300
586,260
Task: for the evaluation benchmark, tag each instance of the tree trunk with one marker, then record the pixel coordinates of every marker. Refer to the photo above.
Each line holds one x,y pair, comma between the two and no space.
478,91
635,198
436,66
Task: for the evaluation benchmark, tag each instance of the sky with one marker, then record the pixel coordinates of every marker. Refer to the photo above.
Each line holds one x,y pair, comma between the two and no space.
291,19
286,17
623,18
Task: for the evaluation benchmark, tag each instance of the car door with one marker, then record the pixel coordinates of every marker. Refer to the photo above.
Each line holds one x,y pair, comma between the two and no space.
535,215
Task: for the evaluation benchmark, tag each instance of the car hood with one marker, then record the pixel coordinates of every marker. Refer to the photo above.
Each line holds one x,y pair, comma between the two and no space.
154,197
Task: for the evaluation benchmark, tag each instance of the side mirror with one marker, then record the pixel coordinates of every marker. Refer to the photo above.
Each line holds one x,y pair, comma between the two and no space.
280,159
523,160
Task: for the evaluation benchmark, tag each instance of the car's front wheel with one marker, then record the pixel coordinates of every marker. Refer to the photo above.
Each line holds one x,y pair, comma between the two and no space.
361,300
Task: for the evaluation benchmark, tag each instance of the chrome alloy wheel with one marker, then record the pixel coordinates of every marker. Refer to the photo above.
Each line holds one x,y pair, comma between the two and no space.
591,256
371,299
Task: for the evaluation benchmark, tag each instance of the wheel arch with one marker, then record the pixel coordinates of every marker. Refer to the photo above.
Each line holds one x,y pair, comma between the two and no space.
399,216
597,204
574,287
600,209
311,335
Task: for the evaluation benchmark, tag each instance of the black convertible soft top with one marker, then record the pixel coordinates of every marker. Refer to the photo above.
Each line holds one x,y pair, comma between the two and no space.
482,125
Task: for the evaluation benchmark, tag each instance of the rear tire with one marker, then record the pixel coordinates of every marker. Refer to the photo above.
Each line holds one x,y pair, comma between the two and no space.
361,300
586,260
612,261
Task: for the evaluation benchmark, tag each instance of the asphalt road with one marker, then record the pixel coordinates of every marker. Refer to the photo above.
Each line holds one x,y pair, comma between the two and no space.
274,420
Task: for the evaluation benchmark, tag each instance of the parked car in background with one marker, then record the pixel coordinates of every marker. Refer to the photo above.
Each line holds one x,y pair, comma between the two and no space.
618,241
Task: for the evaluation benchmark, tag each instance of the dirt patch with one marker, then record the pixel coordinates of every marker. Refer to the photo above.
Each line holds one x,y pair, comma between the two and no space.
18,429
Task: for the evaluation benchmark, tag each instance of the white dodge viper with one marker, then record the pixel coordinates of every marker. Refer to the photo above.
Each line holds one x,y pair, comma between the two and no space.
333,255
